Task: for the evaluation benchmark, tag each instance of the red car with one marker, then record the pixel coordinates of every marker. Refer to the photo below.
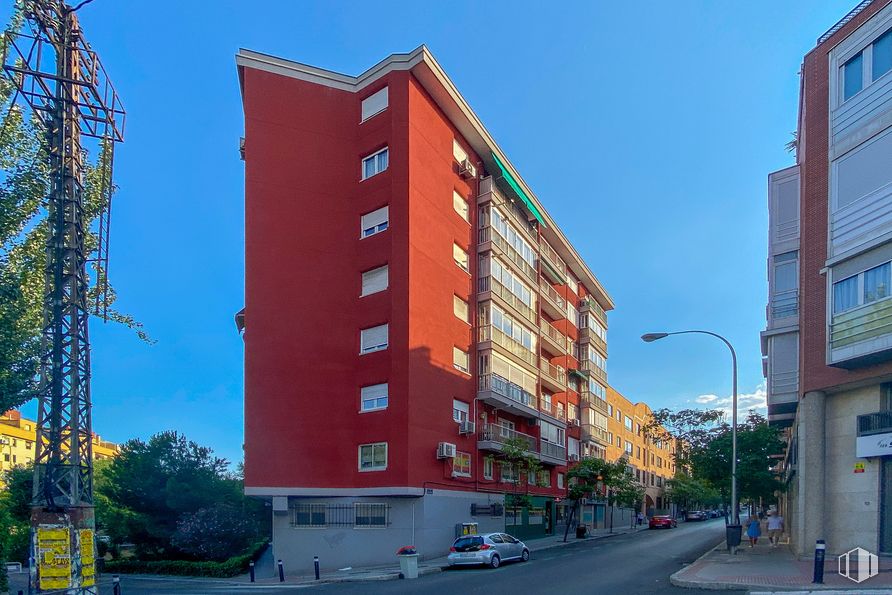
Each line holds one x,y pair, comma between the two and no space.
662,521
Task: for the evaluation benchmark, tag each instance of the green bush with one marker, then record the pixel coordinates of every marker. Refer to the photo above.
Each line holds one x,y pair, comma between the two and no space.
232,567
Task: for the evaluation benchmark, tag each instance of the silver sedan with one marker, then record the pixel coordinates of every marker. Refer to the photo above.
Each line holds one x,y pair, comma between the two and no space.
489,548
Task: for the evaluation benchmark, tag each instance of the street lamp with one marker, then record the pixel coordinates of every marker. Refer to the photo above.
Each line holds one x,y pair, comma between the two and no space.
650,338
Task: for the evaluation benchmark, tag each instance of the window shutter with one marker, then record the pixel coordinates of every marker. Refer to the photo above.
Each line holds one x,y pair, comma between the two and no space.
374,104
375,280
375,337
374,392
375,218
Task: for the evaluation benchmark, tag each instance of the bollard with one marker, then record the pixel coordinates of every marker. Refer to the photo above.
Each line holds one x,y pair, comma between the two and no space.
251,570
316,565
281,572
820,552
116,584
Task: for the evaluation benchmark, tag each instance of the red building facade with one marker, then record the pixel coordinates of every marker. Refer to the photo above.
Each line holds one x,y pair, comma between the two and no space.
410,310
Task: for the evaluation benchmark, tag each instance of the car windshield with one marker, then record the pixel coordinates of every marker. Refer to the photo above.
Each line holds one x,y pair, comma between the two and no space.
661,516
467,544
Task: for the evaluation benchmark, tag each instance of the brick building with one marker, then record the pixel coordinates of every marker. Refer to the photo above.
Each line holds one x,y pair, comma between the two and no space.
828,341
410,306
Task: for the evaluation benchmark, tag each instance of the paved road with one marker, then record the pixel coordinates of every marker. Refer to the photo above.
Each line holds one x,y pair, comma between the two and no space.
627,564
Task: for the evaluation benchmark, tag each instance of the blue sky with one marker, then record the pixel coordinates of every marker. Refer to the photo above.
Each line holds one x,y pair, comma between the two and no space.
647,129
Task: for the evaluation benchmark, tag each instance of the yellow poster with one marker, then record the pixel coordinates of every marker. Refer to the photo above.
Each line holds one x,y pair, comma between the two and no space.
88,561
54,557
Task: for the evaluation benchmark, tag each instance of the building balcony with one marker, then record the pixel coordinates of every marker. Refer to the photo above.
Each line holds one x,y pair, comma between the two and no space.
551,301
553,265
493,437
494,390
589,367
552,454
592,433
489,239
587,335
489,194
553,377
554,340
588,304
587,399
489,335
488,287
862,336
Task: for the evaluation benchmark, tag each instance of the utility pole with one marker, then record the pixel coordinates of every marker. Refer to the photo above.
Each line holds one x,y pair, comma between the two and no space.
66,87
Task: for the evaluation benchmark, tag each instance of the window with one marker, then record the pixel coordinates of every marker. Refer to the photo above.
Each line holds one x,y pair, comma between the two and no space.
506,428
560,481
461,464
546,402
845,294
458,153
460,308
374,163
487,467
544,479
460,205
373,457
618,442
628,423
521,246
373,397
610,437
551,433
374,104
460,360
508,473
852,76
559,410
369,516
876,283
628,447
572,411
882,55
308,515
511,328
374,222
373,339
507,279
610,410
374,280
619,415
460,257
460,410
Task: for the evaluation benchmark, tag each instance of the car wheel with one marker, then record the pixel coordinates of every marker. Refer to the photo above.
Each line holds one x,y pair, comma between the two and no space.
495,561
525,555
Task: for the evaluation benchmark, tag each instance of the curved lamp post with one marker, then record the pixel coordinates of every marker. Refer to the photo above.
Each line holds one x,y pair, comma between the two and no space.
735,507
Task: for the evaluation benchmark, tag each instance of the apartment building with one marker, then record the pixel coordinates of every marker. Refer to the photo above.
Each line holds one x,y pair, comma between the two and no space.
828,341
411,307
17,442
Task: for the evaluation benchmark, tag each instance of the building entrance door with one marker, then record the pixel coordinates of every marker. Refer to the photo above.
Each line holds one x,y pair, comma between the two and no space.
886,506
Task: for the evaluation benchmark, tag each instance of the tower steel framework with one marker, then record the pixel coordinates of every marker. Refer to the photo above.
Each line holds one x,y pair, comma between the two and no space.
63,82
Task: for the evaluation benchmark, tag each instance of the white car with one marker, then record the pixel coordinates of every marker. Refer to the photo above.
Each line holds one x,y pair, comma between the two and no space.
489,549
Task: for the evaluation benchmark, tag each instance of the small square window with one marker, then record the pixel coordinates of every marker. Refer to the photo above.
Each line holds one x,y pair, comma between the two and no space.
460,308
460,411
461,464
373,397
373,457
369,516
460,205
373,339
374,222
460,360
375,163
853,76
460,256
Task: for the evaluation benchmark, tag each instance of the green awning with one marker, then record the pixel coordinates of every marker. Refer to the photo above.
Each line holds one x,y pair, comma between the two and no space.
517,189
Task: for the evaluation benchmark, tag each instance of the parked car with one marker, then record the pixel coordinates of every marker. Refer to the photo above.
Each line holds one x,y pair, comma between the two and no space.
695,515
662,521
490,549
714,514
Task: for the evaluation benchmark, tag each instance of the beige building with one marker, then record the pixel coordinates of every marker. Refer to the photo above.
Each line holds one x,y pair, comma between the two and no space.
17,442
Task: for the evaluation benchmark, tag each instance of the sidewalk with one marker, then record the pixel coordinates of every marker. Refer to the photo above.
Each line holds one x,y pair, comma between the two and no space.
766,569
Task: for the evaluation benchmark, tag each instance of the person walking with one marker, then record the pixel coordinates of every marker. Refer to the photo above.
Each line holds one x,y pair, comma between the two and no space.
753,530
775,527
640,518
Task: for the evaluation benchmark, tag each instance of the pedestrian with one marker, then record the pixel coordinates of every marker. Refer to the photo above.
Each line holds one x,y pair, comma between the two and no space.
753,530
775,527
640,518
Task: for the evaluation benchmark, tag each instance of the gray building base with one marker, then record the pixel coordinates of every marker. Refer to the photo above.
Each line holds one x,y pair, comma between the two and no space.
427,522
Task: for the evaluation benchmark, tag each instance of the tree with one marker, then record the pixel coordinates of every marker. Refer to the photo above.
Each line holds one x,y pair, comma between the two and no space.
523,463
214,533
691,429
689,492
24,185
597,479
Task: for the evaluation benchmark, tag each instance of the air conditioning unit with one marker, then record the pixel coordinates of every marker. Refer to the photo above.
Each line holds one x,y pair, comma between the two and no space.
575,422
466,427
574,458
466,169
445,450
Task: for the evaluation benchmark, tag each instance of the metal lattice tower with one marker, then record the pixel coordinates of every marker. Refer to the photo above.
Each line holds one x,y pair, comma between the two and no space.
66,87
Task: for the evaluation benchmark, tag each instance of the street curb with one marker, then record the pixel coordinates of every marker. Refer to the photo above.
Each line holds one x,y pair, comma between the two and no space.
761,588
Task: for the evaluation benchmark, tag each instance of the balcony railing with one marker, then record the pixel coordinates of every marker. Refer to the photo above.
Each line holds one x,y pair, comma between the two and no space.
875,423
589,303
785,304
552,451
556,373
588,334
501,434
488,234
491,333
554,261
587,365
591,432
492,284
555,335
589,399
509,390
549,292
